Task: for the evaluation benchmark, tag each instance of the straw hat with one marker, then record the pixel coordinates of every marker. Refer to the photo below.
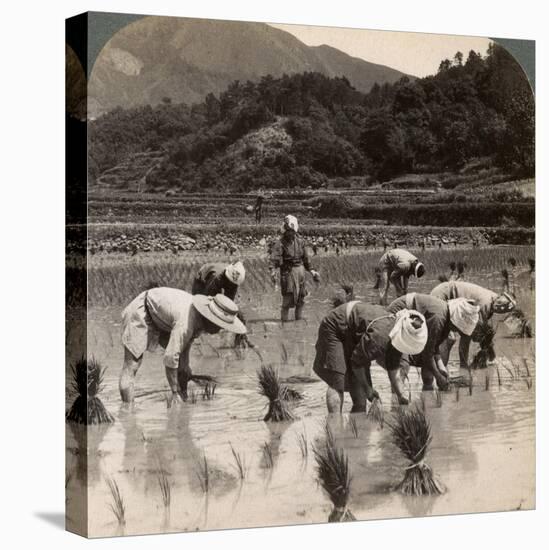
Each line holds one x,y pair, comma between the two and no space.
221,311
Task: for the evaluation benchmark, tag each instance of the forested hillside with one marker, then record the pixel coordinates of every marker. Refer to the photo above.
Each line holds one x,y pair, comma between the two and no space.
307,129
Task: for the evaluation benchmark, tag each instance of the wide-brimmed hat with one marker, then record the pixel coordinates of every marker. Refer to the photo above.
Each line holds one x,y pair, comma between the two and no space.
221,311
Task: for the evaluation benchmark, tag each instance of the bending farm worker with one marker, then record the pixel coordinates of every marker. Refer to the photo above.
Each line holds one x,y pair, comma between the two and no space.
353,335
171,318
289,256
441,318
218,278
489,303
397,266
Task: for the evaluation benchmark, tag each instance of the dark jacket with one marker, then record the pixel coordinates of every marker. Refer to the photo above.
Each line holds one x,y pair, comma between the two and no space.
211,280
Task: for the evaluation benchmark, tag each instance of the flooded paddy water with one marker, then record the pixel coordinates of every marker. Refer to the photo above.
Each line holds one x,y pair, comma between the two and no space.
483,447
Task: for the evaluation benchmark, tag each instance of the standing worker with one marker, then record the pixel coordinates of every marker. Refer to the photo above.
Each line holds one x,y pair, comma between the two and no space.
397,266
353,335
489,303
173,319
289,256
459,315
258,208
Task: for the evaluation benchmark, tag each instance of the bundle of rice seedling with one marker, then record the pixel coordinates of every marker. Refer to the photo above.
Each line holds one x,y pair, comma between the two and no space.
375,412
335,478
412,435
484,335
274,391
87,383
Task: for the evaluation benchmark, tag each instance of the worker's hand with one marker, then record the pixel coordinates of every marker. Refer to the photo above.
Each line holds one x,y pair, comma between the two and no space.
316,275
372,395
443,384
273,277
176,398
402,400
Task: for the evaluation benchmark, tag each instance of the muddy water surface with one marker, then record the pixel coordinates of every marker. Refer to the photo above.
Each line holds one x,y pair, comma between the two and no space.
482,449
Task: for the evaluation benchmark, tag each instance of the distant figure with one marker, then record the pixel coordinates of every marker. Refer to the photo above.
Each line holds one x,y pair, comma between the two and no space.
396,267
173,319
258,208
315,249
289,256
532,264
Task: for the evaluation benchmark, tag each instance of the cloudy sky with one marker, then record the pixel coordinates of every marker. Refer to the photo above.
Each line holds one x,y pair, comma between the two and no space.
417,54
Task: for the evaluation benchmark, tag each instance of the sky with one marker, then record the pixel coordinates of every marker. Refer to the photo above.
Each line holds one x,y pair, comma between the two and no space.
416,54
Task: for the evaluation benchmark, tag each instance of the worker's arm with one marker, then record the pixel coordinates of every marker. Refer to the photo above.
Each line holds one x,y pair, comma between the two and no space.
405,279
176,359
464,344
392,361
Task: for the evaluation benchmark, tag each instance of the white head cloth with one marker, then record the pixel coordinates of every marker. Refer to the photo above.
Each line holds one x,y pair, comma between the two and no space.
290,222
464,314
404,336
235,273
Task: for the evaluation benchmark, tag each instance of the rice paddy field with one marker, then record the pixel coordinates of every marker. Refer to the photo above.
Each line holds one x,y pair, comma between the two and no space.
213,463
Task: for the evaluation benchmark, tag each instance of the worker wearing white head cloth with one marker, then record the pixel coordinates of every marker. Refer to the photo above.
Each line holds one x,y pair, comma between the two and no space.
289,256
439,325
396,266
464,315
355,334
489,303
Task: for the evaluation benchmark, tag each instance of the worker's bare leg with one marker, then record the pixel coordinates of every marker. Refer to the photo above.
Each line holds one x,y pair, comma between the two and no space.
287,304
398,282
127,376
299,311
384,287
334,400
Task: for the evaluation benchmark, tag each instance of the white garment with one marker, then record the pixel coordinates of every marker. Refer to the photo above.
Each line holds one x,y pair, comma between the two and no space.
161,310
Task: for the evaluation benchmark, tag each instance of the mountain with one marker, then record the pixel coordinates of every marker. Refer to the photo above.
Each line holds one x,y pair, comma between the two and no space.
185,59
